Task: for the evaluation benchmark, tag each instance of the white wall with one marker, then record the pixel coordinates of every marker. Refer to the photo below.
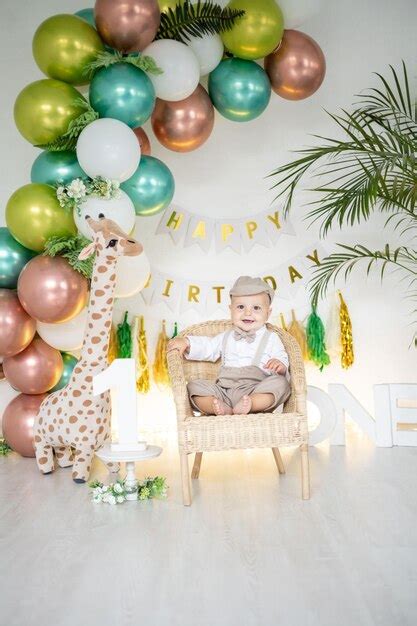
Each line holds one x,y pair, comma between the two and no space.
226,176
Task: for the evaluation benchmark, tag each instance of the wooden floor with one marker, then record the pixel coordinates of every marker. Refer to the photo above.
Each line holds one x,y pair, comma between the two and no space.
249,552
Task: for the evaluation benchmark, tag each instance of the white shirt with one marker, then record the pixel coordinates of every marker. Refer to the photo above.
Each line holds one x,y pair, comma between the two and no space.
238,353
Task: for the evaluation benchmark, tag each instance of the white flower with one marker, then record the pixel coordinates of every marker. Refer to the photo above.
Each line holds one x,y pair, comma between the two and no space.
104,489
97,499
60,191
120,499
111,499
118,488
76,189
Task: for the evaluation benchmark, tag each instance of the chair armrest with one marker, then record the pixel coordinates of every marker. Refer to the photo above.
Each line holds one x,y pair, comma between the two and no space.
179,386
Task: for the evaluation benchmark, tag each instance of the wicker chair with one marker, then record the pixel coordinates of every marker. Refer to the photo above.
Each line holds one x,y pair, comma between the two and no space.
207,433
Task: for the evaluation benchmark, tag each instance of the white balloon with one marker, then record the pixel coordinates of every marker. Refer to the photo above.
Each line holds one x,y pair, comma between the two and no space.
7,394
181,69
296,13
108,148
121,210
132,274
208,50
67,336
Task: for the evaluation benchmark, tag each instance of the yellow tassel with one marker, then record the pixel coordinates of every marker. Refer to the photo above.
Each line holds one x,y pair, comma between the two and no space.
160,366
296,329
141,357
112,351
283,324
346,337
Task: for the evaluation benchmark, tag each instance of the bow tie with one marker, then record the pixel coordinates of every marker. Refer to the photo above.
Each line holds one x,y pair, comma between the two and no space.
247,335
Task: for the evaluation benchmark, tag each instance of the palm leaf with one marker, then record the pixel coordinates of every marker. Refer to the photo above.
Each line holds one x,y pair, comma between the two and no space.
195,20
374,168
344,261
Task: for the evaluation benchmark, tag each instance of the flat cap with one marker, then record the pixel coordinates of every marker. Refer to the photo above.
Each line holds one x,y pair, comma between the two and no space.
248,286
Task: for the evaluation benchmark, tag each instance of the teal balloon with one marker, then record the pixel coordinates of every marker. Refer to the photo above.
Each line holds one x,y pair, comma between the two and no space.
69,363
239,89
13,258
151,187
87,15
123,92
56,167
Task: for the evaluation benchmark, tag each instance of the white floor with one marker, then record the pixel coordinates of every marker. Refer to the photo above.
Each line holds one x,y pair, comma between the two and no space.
248,552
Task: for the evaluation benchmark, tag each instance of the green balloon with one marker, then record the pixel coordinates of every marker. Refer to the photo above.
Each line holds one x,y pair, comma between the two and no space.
70,362
87,15
56,167
258,32
44,109
63,45
123,92
33,215
151,187
13,258
240,90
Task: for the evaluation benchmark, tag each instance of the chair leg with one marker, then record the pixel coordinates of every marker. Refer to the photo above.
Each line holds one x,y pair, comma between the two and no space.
185,477
278,460
305,472
195,472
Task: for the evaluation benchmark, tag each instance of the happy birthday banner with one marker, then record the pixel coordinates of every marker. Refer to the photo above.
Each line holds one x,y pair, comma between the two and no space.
263,228
181,294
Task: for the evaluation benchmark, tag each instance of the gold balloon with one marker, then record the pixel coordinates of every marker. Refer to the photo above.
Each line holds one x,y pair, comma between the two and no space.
186,124
33,215
44,109
297,68
258,32
63,45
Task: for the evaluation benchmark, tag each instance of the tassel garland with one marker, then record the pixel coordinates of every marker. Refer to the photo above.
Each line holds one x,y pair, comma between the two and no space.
124,339
315,340
296,329
346,338
160,366
113,348
141,357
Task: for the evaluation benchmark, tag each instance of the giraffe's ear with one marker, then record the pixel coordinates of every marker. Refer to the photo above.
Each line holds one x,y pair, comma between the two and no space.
87,251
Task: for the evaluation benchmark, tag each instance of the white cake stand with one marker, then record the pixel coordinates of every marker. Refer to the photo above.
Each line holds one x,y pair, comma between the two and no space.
125,456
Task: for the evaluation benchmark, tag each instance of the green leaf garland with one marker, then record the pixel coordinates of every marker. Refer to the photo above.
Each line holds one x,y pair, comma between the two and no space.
68,140
69,248
107,58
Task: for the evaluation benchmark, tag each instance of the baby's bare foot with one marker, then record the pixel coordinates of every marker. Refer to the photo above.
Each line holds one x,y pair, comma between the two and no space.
243,407
219,407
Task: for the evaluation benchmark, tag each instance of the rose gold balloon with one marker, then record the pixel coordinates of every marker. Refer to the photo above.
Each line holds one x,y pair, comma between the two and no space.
145,144
297,68
186,124
18,419
127,25
36,369
17,328
50,290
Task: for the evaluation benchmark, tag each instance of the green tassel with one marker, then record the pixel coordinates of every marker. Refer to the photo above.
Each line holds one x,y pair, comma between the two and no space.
316,346
124,339
175,333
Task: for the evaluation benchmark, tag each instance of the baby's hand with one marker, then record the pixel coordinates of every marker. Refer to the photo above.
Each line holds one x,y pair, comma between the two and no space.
276,366
182,344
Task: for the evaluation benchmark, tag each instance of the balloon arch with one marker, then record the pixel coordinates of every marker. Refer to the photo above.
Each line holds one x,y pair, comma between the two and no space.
140,63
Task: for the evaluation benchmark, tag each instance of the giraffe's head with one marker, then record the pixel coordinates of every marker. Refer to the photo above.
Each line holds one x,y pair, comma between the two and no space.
109,240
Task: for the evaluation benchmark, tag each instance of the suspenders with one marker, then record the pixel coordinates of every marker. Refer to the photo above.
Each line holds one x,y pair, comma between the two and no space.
259,352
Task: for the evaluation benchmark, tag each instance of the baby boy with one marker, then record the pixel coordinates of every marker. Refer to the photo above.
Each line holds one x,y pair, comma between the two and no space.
254,369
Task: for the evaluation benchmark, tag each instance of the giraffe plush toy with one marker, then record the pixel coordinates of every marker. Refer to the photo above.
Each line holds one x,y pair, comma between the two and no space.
72,417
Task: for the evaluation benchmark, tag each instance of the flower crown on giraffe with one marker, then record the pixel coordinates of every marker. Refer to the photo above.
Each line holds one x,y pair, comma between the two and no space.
109,239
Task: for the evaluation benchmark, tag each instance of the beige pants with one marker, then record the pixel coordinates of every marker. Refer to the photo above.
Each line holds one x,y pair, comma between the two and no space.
235,382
